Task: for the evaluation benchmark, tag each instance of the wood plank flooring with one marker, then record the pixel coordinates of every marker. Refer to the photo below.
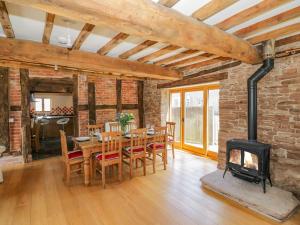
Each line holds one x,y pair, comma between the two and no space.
35,194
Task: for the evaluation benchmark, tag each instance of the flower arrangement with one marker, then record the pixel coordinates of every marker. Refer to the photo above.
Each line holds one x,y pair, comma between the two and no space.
124,119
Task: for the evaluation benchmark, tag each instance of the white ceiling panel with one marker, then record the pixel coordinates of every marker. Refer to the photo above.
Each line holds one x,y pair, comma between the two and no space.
266,15
65,31
187,7
1,32
231,10
98,38
187,57
27,23
169,54
147,51
125,45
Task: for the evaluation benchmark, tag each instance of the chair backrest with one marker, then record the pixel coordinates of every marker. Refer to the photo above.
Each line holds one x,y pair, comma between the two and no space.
111,143
160,135
131,126
171,130
138,138
63,143
94,128
114,127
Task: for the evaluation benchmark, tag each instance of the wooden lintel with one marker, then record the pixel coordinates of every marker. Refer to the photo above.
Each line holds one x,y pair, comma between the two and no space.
33,52
193,81
50,85
157,23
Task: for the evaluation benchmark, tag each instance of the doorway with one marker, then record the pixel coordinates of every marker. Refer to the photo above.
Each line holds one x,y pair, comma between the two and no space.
195,110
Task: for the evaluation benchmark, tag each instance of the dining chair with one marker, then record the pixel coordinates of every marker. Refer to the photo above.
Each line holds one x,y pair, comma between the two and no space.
137,149
73,160
111,154
158,146
114,127
171,136
94,128
131,126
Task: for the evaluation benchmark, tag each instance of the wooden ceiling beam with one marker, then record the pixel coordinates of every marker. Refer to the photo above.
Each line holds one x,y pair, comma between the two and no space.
280,18
250,13
204,63
33,52
49,22
5,21
84,33
192,81
275,33
140,47
176,57
158,53
212,8
156,23
287,40
168,3
112,43
191,60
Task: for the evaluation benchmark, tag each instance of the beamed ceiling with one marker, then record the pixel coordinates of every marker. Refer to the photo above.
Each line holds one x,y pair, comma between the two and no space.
249,22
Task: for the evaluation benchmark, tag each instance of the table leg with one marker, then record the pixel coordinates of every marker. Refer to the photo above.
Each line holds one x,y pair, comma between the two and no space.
86,166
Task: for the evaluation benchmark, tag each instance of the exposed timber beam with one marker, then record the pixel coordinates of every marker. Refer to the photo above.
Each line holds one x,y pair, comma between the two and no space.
32,52
204,63
168,3
158,53
191,60
5,21
154,23
84,33
176,57
112,43
198,80
48,27
275,33
250,13
212,8
136,49
287,40
280,18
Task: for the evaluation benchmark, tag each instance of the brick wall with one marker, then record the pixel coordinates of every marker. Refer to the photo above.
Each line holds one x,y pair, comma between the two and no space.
278,116
129,92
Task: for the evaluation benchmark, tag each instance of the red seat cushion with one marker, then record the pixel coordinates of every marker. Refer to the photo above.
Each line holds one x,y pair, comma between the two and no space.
108,156
157,145
74,154
136,149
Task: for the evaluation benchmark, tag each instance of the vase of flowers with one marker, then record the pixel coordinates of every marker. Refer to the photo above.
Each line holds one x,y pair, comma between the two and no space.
124,119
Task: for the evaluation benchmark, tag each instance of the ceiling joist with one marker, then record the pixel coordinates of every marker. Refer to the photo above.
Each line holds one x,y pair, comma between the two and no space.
48,27
33,52
112,43
84,33
136,49
176,57
5,21
158,53
191,60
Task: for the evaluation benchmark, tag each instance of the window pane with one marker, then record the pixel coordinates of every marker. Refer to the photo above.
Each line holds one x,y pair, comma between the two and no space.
213,120
193,119
47,104
175,113
38,105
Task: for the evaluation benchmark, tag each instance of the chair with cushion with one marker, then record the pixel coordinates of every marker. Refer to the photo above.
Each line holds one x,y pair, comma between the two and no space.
136,150
171,136
111,154
73,160
158,146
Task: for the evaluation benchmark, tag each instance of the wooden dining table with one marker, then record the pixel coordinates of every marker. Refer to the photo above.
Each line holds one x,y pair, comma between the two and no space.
95,146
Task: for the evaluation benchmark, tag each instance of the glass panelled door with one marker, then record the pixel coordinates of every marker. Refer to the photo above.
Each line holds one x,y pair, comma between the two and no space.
213,120
175,114
193,119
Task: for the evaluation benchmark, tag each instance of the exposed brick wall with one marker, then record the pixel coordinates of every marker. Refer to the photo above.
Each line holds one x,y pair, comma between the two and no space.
15,131
278,116
105,89
129,92
105,115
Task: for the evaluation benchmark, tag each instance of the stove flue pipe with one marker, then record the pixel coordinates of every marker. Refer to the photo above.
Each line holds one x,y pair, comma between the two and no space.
268,64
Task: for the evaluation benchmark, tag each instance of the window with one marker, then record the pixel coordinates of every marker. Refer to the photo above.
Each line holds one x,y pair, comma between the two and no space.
42,104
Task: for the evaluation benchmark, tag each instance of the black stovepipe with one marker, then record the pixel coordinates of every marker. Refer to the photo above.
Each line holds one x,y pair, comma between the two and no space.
267,66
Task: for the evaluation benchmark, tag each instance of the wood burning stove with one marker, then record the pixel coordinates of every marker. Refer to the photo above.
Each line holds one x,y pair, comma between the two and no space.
250,159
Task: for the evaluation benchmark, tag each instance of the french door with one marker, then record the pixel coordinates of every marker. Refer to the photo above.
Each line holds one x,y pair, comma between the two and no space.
196,114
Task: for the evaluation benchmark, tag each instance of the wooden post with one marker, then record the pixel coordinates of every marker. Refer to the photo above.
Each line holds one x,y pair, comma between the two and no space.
141,103
25,120
119,95
4,108
75,104
92,103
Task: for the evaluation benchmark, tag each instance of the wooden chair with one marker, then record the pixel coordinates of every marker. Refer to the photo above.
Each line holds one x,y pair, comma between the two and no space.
111,154
114,127
94,128
131,126
171,135
136,150
73,160
158,146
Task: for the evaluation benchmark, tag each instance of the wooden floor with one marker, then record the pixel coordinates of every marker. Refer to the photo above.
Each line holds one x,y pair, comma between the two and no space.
36,194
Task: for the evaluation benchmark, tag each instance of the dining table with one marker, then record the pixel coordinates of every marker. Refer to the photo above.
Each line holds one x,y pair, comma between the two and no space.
94,145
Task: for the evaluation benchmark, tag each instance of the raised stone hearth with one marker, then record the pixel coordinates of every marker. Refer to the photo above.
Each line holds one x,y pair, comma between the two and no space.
275,203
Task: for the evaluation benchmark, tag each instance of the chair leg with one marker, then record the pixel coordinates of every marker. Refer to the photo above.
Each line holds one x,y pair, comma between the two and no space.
103,175
120,171
153,161
165,158
136,163
173,151
144,165
68,174
130,167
